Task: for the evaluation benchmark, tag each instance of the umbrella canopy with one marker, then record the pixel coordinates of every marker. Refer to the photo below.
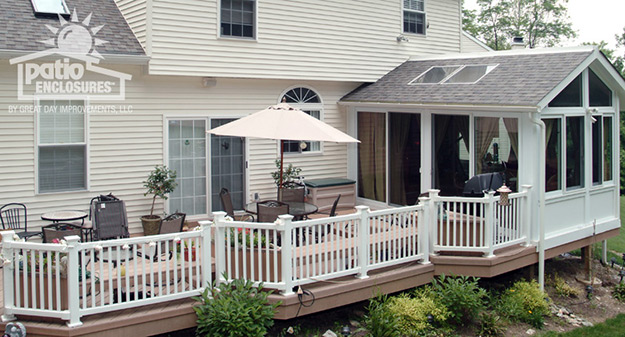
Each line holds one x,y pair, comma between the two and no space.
283,122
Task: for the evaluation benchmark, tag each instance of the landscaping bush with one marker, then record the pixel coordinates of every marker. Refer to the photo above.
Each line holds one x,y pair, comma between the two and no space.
619,292
412,314
491,325
562,288
234,309
525,302
462,297
380,322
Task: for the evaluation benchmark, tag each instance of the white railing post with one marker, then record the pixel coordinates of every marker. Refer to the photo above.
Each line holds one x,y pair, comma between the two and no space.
423,220
525,213
73,267
8,270
286,232
433,219
363,241
220,246
206,254
489,210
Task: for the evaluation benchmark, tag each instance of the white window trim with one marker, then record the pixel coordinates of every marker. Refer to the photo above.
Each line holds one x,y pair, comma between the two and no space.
237,38
306,106
425,19
37,125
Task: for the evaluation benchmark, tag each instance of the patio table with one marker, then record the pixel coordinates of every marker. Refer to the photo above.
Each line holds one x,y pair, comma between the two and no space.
296,209
64,216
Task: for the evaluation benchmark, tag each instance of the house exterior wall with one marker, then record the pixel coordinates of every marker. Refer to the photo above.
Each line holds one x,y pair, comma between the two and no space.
124,147
471,45
322,40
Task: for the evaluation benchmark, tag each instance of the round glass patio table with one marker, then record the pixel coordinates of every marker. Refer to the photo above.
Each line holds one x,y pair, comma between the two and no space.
296,209
62,216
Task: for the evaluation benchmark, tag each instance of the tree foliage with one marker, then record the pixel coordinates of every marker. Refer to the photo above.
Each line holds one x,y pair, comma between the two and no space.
539,22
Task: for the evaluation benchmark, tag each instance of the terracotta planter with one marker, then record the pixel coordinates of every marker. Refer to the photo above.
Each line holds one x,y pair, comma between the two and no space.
39,293
151,224
189,256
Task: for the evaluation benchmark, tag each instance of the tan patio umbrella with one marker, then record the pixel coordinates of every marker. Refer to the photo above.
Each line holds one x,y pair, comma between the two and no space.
283,122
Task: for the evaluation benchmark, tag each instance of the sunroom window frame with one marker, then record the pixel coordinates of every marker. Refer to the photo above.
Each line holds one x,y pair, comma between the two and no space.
38,145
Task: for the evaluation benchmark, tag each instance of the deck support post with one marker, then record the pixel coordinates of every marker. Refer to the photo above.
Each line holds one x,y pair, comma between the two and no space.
206,255
525,214
433,220
220,246
363,241
286,232
9,263
489,211
423,222
73,266
604,252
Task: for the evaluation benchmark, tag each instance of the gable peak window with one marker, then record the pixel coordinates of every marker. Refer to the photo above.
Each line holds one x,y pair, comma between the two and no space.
414,16
308,101
238,18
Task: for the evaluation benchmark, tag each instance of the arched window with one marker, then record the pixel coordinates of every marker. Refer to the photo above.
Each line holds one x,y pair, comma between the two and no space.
308,101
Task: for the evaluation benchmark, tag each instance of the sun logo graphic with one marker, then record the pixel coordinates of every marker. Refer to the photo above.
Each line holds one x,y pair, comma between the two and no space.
73,73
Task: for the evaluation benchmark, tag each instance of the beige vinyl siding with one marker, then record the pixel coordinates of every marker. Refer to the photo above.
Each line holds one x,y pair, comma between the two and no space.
135,13
469,45
341,40
124,147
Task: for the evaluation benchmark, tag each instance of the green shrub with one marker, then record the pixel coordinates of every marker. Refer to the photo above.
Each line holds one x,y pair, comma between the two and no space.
412,314
491,325
619,292
380,322
525,302
234,309
461,295
562,288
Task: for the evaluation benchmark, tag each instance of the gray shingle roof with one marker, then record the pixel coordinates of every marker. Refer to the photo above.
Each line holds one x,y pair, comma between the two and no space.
21,30
518,80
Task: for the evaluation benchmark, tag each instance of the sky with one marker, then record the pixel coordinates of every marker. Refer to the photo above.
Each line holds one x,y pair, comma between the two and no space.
594,20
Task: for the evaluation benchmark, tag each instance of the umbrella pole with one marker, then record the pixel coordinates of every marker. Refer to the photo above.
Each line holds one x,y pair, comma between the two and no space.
281,164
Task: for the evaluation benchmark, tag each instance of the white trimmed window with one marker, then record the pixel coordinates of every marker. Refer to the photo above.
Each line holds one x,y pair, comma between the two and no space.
62,146
308,101
414,16
238,18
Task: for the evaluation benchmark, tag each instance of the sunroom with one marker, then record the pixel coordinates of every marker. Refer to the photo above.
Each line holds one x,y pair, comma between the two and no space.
546,120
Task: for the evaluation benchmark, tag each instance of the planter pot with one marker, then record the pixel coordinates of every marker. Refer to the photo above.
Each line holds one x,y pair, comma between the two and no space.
38,293
150,224
189,255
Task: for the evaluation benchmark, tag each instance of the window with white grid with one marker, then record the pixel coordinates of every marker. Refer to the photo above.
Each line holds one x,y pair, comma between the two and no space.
308,101
414,16
62,146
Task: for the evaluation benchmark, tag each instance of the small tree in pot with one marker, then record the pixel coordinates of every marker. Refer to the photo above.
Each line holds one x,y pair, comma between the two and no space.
161,182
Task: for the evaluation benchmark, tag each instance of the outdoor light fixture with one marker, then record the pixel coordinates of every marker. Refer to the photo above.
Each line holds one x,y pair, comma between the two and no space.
621,274
345,331
402,38
589,291
612,261
503,193
303,145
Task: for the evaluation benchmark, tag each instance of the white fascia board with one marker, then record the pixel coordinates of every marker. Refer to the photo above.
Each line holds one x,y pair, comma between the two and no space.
448,107
496,53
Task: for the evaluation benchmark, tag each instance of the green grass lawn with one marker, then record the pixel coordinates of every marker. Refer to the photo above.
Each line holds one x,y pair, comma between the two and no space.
616,245
614,327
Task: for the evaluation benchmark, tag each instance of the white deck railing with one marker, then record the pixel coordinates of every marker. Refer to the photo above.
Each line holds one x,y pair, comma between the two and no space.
73,279
479,224
289,253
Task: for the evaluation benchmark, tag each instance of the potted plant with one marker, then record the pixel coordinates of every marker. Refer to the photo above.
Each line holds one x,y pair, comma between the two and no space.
161,182
290,173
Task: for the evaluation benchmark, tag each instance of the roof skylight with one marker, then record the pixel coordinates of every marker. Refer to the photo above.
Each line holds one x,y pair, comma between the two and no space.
461,74
50,7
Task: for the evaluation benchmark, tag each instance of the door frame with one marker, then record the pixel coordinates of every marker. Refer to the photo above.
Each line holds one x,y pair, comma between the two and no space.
208,119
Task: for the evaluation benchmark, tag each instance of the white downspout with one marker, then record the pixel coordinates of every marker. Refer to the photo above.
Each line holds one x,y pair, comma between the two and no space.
541,199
